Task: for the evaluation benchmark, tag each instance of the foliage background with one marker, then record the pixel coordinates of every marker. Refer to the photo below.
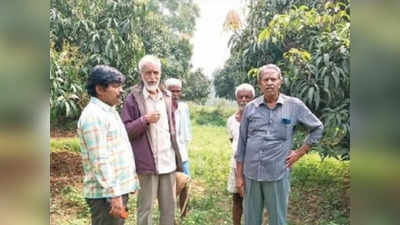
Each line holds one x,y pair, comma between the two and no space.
310,41
85,33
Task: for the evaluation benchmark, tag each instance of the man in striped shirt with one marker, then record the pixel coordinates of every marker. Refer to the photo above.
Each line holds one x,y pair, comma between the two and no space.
264,153
107,158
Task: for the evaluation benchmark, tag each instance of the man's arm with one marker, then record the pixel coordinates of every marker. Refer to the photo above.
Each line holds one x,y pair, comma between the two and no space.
229,130
241,151
295,155
239,178
315,126
135,124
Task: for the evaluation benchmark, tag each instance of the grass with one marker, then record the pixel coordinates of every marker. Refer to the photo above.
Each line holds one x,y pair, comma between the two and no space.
64,144
319,189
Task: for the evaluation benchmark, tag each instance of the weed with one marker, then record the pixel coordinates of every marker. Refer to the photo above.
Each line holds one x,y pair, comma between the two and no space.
73,198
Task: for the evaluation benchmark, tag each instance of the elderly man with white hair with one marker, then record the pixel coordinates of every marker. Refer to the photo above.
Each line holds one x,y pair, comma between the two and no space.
183,133
244,93
148,117
182,120
264,155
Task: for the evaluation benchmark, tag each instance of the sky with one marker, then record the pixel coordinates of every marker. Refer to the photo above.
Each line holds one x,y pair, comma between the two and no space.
210,42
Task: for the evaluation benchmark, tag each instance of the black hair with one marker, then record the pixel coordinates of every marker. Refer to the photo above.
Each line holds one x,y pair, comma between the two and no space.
103,75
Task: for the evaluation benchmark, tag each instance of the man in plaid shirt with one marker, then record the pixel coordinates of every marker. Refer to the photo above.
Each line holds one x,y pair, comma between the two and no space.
107,158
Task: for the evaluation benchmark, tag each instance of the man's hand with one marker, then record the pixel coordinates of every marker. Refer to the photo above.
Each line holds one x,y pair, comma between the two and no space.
292,158
152,117
240,185
296,155
116,207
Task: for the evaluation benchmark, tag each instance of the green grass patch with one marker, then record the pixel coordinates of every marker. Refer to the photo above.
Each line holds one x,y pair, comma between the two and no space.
319,189
311,170
64,144
210,115
73,197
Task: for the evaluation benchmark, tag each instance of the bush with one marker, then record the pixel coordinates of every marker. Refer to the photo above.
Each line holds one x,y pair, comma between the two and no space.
310,41
67,92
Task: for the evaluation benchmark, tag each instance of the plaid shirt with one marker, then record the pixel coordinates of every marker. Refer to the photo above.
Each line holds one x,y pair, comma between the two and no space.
107,158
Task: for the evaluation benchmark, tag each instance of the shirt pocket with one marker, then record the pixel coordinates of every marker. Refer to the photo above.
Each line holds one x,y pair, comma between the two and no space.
257,124
284,128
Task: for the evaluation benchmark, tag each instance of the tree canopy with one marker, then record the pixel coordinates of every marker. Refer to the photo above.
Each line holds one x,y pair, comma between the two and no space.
85,33
310,41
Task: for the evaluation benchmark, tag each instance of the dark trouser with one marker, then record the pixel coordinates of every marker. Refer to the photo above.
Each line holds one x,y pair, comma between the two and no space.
237,208
99,208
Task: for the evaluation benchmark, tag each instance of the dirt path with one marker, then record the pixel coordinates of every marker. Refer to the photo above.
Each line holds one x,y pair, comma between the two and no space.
65,169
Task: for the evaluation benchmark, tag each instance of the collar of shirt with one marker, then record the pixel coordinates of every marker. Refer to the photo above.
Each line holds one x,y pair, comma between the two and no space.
146,94
260,100
102,105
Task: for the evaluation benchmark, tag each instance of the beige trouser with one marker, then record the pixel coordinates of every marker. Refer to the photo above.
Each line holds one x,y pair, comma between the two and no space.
163,187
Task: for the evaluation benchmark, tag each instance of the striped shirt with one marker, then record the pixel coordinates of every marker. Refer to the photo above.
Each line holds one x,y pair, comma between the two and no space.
164,154
266,136
107,157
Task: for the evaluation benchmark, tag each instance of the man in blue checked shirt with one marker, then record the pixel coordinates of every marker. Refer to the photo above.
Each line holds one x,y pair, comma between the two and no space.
265,154
107,157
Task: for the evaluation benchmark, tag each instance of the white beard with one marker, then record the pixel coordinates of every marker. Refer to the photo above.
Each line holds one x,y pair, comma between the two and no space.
151,87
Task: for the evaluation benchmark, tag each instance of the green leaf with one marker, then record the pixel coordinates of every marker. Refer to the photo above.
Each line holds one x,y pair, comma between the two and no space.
310,95
264,35
318,60
323,72
328,93
74,108
303,90
306,56
326,82
108,46
336,79
67,109
95,37
317,96
253,72
326,59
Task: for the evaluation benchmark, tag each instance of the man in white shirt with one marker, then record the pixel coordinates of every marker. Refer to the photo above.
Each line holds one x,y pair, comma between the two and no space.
182,120
183,134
